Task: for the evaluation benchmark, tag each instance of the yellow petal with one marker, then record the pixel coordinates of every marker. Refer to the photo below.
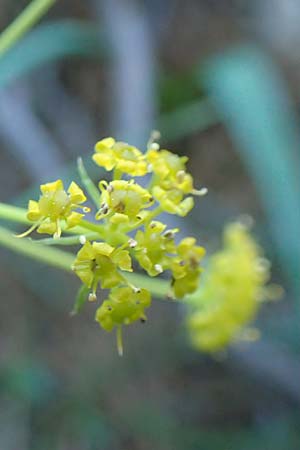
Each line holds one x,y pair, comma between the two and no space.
86,253
73,219
52,187
86,275
33,213
77,195
47,227
102,248
104,143
119,218
122,259
104,160
185,206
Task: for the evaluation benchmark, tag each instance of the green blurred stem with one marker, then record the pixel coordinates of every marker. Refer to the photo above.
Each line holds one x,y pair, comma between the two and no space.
13,214
88,183
92,227
70,240
64,260
50,256
191,118
159,288
23,23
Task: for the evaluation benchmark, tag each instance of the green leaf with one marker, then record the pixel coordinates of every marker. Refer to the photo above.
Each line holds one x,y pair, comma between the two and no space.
51,42
81,298
87,182
251,97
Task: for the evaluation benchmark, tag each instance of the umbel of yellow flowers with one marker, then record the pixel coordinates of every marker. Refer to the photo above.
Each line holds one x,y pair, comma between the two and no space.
125,229
232,289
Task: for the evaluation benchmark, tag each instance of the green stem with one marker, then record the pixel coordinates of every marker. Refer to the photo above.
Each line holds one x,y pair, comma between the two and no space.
88,183
53,257
117,175
70,240
100,229
156,286
152,182
13,214
23,23
64,260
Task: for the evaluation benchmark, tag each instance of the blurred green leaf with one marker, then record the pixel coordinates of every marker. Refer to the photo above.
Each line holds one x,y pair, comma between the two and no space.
177,90
81,299
30,381
51,42
251,97
193,117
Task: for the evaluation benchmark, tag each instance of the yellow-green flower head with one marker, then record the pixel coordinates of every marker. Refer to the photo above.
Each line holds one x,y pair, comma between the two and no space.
173,201
185,267
166,164
155,247
170,171
232,288
123,307
99,262
54,205
123,199
121,156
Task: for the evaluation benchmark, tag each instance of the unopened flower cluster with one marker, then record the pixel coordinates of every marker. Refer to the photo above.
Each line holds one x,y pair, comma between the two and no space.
232,289
126,221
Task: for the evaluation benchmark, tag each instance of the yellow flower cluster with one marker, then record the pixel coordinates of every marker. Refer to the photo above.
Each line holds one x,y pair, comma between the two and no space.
126,232
156,252
120,156
231,291
170,181
125,221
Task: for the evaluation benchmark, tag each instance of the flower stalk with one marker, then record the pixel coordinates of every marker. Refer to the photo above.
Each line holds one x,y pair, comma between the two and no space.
23,23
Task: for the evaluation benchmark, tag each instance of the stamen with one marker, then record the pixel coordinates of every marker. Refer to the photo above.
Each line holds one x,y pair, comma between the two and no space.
132,243
82,239
57,233
180,176
92,297
200,192
158,268
119,340
27,232
154,146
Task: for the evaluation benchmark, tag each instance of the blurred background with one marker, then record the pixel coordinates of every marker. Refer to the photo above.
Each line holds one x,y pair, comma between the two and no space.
221,81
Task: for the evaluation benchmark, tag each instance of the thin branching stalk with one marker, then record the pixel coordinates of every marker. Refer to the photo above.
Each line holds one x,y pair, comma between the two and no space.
88,183
53,257
63,260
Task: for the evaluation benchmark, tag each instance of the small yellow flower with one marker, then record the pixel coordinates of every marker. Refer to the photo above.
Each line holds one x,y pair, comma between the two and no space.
173,201
185,267
99,262
155,248
170,172
123,307
121,156
54,205
231,291
123,200
166,164
171,182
